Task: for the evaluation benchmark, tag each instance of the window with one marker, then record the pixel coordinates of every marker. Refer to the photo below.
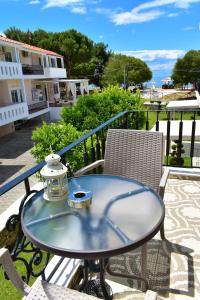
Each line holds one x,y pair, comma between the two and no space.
16,95
53,63
24,53
37,93
45,61
59,63
20,94
8,56
55,88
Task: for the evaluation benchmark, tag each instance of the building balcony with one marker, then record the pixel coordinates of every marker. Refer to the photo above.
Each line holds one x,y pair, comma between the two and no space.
55,73
37,109
32,70
172,264
10,70
13,112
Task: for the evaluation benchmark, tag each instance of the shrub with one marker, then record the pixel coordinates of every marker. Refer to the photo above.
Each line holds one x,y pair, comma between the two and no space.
177,150
52,138
92,110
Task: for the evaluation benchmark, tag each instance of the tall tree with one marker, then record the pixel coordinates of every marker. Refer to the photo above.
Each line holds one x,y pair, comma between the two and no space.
186,69
125,69
16,34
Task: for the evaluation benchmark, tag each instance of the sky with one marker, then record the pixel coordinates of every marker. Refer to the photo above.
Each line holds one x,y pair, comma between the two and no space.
157,31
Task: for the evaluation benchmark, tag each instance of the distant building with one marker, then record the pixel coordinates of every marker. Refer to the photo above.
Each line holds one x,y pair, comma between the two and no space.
30,83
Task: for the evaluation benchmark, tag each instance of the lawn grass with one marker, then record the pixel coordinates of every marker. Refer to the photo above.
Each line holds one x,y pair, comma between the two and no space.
184,95
163,116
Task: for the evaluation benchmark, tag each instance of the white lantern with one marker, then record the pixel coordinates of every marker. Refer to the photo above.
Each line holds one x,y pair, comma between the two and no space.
54,174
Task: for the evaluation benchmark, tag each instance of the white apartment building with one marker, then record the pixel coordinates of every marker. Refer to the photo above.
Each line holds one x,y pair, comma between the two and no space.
25,91
33,83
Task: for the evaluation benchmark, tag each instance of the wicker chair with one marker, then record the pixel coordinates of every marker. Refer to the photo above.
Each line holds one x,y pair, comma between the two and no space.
135,154
42,290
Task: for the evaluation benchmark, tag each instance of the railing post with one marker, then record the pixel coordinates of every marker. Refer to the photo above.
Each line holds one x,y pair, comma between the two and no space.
168,139
193,139
103,143
92,150
85,155
147,121
157,122
126,120
179,145
27,186
98,147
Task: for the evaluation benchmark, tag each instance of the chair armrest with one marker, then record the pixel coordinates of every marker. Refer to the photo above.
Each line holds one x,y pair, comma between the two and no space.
7,263
90,167
163,182
150,295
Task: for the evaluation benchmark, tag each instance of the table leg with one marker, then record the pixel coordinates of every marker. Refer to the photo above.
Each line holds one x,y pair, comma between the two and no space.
85,277
96,287
106,289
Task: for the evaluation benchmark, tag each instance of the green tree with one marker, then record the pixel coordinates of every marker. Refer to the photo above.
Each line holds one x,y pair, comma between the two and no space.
122,68
76,48
92,110
16,34
186,69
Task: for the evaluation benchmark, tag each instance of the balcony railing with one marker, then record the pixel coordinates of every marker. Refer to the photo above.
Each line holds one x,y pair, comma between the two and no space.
32,70
10,70
37,106
13,112
173,124
92,147
55,72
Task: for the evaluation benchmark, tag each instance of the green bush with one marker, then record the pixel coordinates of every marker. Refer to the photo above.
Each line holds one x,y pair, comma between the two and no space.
89,112
52,138
177,150
92,110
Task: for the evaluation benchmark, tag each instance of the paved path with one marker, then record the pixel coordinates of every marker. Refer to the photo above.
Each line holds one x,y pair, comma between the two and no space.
15,159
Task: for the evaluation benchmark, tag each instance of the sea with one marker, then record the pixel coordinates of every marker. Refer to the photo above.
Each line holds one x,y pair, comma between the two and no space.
157,77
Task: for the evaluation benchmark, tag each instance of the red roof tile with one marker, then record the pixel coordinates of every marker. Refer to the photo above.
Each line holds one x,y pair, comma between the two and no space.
29,47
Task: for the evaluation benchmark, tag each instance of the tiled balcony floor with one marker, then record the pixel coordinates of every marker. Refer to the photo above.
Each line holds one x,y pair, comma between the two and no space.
173,266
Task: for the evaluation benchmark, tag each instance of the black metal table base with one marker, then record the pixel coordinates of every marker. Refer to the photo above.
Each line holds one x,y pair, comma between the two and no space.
96,287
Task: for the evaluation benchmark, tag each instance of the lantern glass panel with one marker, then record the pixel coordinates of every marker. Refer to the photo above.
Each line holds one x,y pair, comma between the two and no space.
55,186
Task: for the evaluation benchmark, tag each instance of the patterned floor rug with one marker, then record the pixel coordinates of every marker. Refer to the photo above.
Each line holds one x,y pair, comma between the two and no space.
173,266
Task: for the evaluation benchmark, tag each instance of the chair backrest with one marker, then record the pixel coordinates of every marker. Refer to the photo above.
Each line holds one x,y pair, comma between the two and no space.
135,154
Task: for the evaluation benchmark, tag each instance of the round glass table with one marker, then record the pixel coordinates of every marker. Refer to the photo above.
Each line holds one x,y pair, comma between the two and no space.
123,215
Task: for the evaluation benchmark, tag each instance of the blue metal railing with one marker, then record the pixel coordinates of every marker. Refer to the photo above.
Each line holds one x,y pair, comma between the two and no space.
133,119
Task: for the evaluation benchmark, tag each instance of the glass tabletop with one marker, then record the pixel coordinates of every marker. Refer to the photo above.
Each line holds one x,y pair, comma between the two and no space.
123,215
